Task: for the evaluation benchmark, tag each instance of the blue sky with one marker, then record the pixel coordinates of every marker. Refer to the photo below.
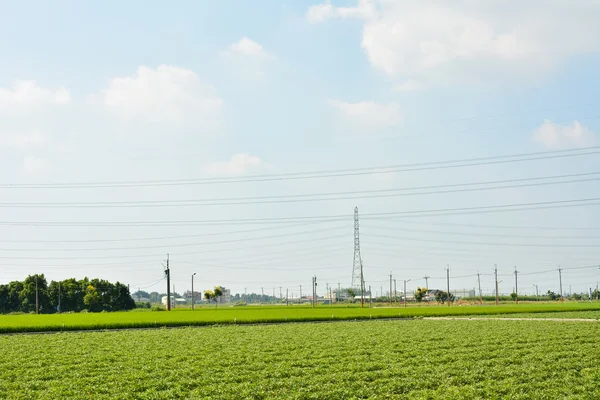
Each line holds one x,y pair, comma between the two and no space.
146,91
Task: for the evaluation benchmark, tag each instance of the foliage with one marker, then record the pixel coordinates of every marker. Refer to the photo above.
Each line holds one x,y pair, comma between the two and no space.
511,360
553,296
143,304
513,296
75,295
158,307
442,297
420,294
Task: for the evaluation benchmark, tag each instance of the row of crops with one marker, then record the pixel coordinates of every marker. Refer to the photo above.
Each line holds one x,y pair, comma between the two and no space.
422,359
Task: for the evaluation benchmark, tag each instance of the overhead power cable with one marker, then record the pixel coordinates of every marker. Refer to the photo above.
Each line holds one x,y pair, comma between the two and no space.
393,214
466,162
328,196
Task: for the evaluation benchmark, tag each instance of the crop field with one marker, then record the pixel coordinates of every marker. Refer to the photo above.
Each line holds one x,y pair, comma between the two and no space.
242,315
420,359
562,315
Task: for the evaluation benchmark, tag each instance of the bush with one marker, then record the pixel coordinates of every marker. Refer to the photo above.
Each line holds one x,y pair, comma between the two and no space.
143,304
239,304
158,307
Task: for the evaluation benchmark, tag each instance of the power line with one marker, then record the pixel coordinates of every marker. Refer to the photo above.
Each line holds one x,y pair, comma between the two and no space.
311,197
392,214
253,230
466,162
478,234
200,243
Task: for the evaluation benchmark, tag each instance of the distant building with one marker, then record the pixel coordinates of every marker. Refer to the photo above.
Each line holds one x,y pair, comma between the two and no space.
226,297
174,301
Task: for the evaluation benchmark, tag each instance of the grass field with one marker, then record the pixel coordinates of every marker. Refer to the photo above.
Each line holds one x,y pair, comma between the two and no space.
241,315
371,359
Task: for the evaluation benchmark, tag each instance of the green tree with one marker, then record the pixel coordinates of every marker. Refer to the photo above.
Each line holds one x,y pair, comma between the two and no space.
420,294
513,296
92,299
442,297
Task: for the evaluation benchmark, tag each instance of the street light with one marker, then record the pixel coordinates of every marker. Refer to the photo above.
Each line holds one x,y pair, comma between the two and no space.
193,299
405,291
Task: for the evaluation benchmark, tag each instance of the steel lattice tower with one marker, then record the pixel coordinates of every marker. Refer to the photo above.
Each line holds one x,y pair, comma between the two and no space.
358,280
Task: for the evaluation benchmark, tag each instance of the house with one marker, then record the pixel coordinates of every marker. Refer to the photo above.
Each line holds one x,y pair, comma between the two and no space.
174,301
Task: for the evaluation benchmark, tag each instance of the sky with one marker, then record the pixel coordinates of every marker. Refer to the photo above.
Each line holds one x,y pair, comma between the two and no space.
209,131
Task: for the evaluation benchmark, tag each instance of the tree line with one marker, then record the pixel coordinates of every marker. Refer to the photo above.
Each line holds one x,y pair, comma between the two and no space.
69,295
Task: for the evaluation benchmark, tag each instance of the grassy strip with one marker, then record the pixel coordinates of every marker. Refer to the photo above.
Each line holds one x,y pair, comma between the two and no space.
252,315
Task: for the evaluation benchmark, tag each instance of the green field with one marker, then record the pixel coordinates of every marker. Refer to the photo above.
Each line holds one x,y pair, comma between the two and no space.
241,315
421,359
562,315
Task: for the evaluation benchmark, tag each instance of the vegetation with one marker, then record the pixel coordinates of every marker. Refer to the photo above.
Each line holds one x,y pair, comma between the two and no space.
72,295
443,297
376,360
259,314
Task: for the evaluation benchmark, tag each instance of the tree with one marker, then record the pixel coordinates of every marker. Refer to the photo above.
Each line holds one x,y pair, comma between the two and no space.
513,296
352,293
92,299
442,297
552,295
420,294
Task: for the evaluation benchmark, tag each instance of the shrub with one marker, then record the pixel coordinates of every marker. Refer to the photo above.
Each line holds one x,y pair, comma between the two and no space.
158,307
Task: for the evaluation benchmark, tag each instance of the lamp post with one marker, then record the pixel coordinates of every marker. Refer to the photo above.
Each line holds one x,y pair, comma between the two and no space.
193,299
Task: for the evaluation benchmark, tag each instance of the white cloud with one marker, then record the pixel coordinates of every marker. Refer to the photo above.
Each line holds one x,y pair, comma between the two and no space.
248,58
166,94
368,113
470,40
239,164
554,136
27,93
325,11
247,47
407,86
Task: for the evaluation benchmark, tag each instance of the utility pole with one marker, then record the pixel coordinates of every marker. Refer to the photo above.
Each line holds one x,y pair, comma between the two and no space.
516,286
287,299
448,282
246,295
496,277
300,293
59,297
193,298
479,285
262,294
280,295
560,281
537,294
395,293
331,296
174,302
338,293
405,291
390,288
37,303
370,298
168,274
426,281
